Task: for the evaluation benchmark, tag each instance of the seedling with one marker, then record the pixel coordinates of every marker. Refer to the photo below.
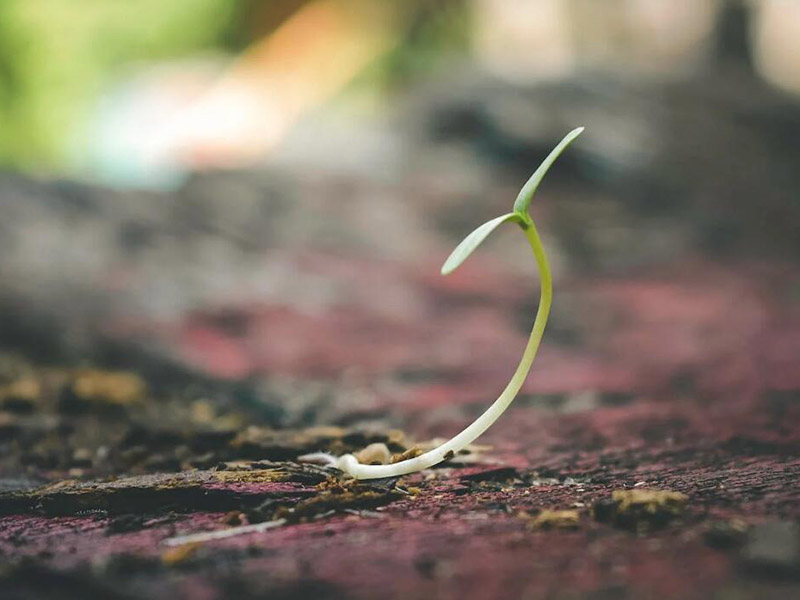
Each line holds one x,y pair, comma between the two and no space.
520,215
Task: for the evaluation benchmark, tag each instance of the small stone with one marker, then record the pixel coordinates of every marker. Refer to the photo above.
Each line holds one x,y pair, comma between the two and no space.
408,454
374,454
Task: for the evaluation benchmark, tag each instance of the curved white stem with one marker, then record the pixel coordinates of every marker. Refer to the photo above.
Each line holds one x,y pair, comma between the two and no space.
350,465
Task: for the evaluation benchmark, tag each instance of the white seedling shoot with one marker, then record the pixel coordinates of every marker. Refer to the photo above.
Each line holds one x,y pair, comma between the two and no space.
520,215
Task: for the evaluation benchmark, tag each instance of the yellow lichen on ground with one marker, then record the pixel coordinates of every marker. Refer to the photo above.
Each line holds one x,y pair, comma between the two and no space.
27,389
113,387
651,501
555,519
251,476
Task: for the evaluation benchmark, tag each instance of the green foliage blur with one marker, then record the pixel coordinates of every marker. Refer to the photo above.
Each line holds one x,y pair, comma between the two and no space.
56,55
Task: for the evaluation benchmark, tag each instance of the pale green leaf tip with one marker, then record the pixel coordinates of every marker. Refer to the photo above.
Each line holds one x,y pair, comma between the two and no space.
472,241
525,196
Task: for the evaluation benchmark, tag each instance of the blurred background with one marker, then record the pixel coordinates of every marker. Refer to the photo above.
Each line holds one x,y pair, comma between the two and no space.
261,193
221,229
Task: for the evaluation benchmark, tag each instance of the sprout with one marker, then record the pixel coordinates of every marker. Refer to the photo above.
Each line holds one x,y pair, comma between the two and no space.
350,464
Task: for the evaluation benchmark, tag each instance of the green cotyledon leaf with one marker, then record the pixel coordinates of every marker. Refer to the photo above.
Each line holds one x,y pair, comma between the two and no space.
525,196
473,240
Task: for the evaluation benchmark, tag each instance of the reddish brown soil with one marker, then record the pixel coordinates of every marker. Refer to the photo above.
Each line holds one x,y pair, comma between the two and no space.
686,380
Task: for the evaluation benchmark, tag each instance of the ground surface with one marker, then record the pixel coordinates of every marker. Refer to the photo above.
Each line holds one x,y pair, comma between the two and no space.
164,361
101,467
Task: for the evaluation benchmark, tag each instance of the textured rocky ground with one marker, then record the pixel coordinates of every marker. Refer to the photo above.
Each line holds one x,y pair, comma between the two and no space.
165,359
684,381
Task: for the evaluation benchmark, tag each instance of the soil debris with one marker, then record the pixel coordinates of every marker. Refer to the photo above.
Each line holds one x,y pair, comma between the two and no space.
640,510
20,396
112,387
726,535
92,423
338,496
176,555
185,491
554,519
412,452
